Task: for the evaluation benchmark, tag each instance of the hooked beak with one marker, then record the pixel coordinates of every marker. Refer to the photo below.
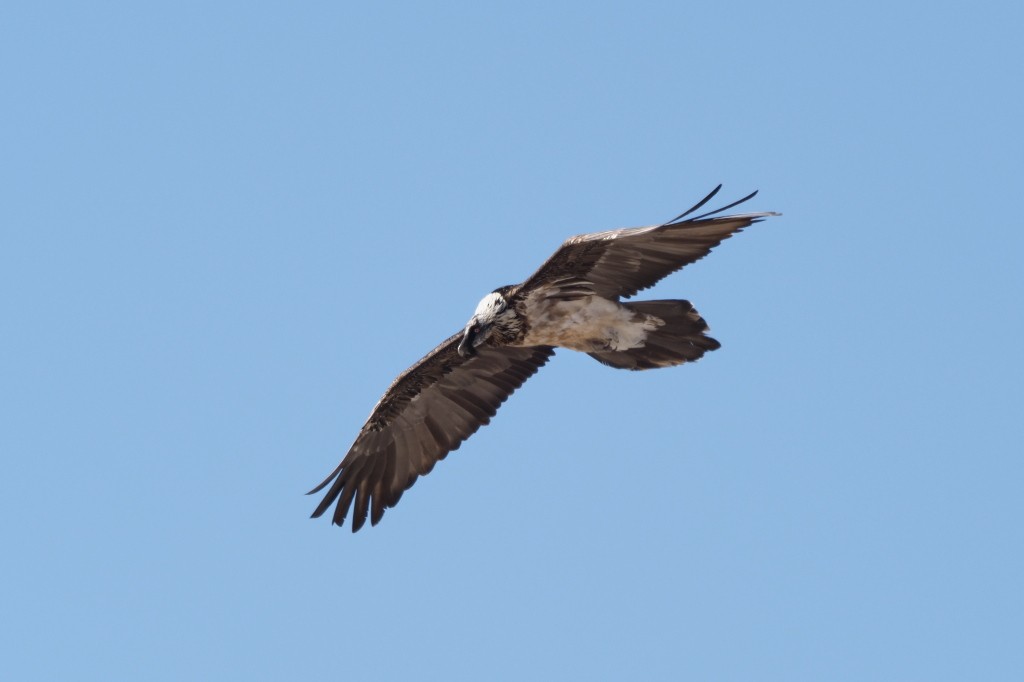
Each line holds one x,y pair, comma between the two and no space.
471,338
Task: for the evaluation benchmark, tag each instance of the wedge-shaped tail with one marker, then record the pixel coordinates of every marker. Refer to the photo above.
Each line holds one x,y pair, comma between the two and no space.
679,339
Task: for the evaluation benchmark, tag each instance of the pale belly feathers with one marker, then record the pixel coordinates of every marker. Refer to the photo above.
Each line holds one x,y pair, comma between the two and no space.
587,324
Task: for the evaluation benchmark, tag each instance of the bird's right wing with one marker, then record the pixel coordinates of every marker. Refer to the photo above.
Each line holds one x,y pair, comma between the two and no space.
426,413
619,263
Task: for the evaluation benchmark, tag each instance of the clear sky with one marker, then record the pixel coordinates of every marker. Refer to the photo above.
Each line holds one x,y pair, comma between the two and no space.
225,228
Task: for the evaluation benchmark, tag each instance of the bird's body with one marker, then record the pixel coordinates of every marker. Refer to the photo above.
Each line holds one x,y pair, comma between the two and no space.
586,324
572,301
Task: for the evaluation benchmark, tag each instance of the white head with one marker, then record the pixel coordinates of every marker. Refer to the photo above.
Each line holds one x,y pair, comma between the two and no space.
479,327
490,306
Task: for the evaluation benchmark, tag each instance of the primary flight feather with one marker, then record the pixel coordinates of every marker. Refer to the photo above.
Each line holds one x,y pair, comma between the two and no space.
572,301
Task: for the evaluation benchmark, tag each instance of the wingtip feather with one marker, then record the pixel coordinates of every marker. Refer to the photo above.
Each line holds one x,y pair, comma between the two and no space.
695,207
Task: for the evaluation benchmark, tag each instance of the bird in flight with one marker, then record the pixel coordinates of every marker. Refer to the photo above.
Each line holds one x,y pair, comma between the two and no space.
573,301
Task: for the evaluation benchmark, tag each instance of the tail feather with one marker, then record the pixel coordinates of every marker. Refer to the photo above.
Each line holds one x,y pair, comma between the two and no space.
679,339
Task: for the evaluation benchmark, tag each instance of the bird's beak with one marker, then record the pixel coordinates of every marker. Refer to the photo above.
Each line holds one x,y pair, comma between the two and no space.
471,338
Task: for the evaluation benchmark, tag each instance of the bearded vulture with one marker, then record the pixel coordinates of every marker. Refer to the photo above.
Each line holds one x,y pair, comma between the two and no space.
572,301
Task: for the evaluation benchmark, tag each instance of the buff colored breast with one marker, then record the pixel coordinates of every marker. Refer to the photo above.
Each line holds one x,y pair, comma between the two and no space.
587,324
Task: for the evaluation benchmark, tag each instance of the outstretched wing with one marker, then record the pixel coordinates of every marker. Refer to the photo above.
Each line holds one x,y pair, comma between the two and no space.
426,413
619,263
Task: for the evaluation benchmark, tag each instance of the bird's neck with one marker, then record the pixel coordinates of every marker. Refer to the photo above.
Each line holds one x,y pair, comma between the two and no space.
508,327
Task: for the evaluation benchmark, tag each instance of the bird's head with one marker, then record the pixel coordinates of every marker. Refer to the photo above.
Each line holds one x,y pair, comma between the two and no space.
480,327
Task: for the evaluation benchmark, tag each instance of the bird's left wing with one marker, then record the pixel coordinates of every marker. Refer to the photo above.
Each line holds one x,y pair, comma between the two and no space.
427,412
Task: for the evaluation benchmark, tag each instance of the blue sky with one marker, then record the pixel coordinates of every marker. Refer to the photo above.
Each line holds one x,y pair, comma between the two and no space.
225,227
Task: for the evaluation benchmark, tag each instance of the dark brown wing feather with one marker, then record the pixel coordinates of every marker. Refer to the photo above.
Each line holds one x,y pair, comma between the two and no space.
619,263
426,413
